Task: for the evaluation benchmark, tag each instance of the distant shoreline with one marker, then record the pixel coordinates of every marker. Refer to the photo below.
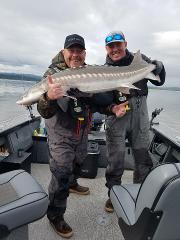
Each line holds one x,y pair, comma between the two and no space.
165,88
17,76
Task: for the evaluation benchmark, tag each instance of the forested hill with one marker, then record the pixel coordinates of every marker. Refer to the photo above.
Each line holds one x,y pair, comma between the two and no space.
17,76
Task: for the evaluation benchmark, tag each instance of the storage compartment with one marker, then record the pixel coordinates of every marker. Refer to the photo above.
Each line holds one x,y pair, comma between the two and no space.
176,155
20,138
40,152
90,164
15,146
4,151
15,161
158,149
163,148
100,138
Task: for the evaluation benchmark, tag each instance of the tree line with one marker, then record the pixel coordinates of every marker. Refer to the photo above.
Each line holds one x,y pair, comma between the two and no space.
18,76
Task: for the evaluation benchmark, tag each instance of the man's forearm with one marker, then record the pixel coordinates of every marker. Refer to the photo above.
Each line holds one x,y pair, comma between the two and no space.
46,108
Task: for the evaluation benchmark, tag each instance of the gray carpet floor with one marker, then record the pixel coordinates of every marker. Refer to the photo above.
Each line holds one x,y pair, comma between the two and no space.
85,214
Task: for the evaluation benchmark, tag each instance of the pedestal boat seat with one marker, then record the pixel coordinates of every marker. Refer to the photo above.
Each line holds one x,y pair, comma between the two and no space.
150,211
22,201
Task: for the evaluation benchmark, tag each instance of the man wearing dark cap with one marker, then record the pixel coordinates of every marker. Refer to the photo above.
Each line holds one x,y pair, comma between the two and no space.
67,129
74,39
134,125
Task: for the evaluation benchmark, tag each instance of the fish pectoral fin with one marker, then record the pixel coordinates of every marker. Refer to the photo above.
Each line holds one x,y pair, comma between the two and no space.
129,85
153,77
124,90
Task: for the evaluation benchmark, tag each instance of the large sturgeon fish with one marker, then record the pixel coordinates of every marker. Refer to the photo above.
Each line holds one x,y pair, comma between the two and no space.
94,79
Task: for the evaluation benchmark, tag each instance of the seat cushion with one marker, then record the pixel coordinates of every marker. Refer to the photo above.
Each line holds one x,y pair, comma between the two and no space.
22,199
123,198
152,185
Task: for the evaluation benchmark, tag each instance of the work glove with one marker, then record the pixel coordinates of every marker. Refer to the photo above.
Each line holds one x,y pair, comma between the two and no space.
75,92
159,67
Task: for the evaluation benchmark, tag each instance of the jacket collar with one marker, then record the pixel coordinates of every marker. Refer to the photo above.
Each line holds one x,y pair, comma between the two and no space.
59,61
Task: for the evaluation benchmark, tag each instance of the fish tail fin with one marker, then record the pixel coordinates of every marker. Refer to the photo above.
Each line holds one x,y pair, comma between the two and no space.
138,59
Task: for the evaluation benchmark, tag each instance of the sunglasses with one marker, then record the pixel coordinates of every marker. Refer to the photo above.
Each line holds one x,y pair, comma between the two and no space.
114,37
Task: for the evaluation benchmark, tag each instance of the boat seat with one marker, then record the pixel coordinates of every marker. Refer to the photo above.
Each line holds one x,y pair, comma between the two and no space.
22,201
150,211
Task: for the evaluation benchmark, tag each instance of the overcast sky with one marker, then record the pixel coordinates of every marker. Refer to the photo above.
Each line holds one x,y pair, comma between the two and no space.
32,32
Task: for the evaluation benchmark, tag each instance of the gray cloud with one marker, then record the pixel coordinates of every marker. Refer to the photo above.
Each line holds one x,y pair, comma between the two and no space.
32,32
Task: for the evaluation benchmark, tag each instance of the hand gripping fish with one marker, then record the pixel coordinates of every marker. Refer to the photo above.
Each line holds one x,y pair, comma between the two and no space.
94,79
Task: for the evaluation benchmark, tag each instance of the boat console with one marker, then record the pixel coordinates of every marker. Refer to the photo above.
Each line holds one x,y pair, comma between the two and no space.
165,145
15,146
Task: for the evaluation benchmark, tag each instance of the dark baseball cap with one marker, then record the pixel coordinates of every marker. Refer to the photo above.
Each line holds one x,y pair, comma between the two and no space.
74,39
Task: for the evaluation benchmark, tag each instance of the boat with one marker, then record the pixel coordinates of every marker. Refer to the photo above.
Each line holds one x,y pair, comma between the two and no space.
24,146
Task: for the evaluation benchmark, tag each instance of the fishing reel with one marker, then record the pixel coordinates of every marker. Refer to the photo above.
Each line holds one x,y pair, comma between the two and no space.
29,108
154,114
